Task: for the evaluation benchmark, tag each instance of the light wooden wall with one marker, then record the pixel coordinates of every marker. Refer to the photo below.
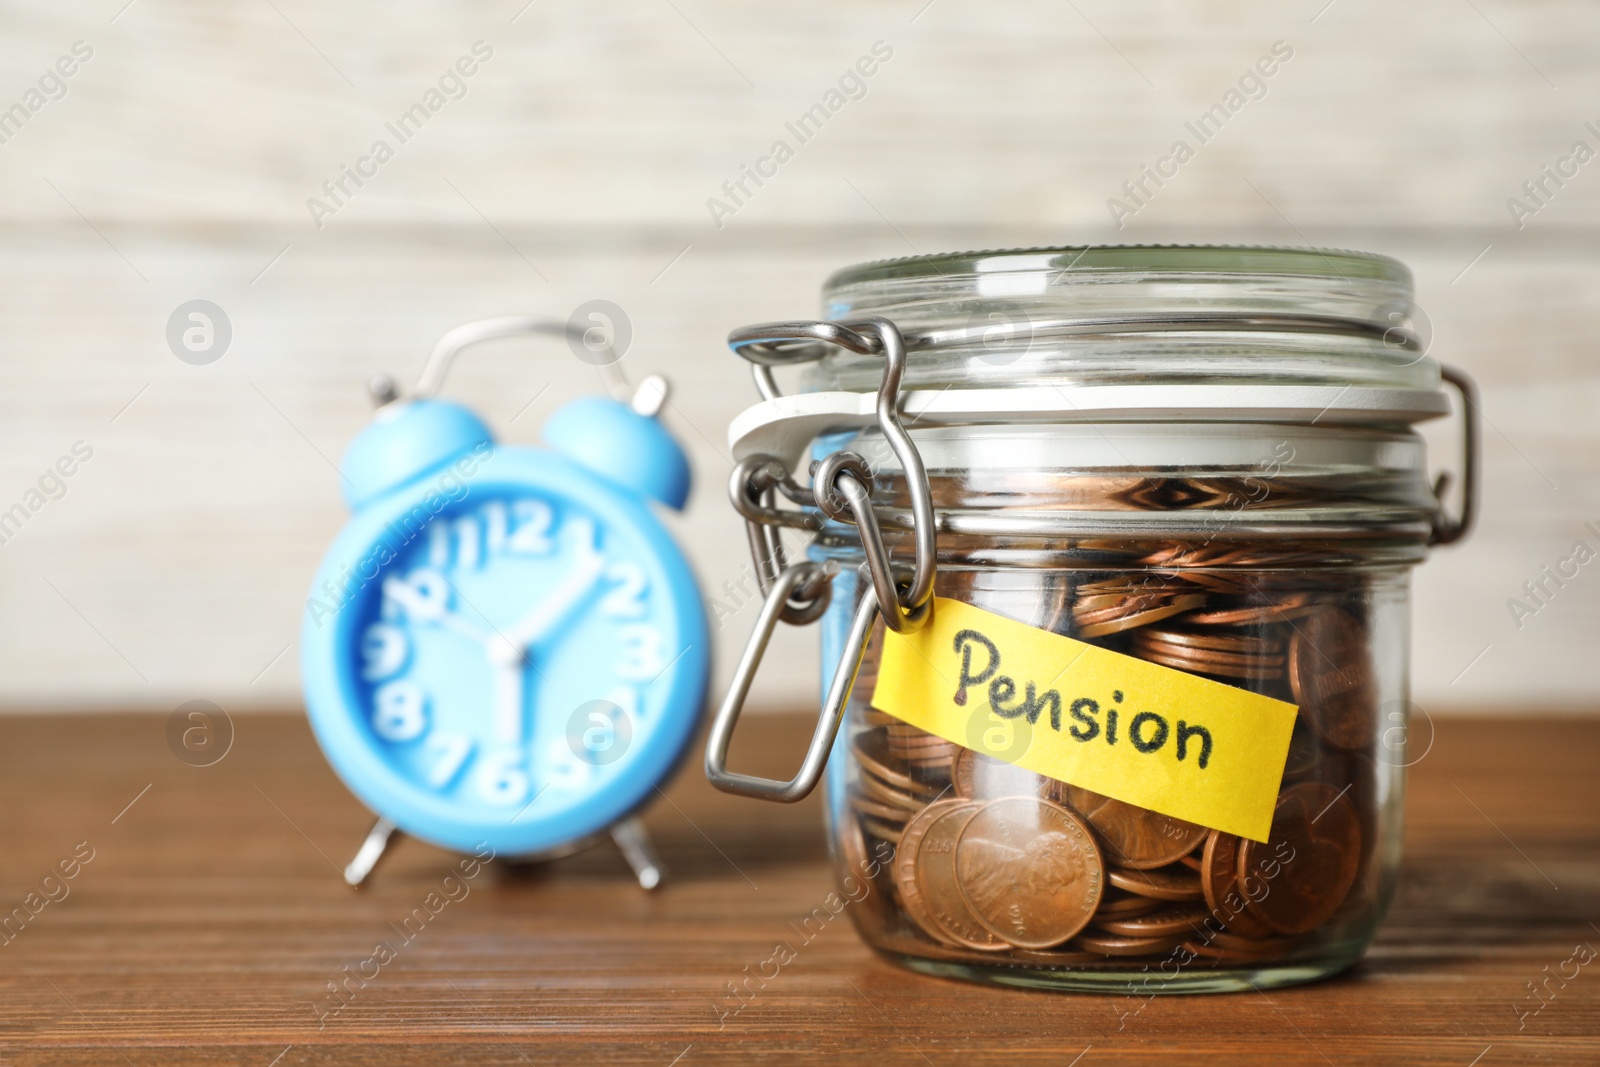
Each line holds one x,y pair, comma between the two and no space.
578,165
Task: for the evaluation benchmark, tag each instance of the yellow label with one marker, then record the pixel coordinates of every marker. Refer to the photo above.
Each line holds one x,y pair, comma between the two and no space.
1149,735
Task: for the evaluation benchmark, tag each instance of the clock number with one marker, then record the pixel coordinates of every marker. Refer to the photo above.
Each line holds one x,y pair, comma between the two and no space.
423,594
438,544
384,648
643,655
397,711
468,539
626,601
530,534
495,527
450,752
501,779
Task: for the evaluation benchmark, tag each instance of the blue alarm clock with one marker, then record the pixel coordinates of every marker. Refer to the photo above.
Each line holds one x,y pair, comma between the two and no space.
504,648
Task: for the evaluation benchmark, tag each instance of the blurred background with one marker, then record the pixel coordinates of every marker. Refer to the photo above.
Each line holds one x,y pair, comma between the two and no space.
185,156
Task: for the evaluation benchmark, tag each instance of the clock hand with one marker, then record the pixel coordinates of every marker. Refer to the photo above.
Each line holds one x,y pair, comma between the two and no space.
508,706
433,609
561,600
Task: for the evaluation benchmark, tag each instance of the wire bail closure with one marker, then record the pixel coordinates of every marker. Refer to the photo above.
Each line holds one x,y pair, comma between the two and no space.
841,489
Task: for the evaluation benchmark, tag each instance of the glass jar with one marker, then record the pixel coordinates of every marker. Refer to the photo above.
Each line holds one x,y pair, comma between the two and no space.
1199,457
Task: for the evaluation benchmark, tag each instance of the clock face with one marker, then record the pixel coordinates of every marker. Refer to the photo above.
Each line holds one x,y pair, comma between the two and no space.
522,653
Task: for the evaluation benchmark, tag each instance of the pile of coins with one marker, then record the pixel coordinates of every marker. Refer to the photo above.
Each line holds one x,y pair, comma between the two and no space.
996,864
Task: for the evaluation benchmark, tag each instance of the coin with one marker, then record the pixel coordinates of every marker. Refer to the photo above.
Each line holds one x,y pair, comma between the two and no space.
1318,829
873,789
905,865
1029,870
883,831
1238,644
1143,617
872,752
1291,607
1216,670
857,860
1166,883
877,809
941,885
1135,837
981,777
1219,881
1331,677
1120,904
1185,919
1113,945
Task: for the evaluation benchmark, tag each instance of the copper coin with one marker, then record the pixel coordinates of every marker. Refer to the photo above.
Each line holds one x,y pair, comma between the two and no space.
877,809
1120,904
980,777
1134,836
905,865
1185,919
1305,752
1168,883
1029,870
857,860
940,883
1196,665
883,831
1318,829
1190,861
873,789
1330,674
872,752
1219,880
1234,643
1143,618
1206,655
1113,945
1289,608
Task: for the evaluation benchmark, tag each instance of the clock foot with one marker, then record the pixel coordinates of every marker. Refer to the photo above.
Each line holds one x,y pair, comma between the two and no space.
370,852
633,841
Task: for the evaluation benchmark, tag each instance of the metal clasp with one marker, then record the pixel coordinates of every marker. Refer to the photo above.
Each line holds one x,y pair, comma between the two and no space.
795,579
1447,530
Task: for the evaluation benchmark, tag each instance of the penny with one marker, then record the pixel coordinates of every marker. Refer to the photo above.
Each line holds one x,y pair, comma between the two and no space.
1331,677
980,777
1289,608
1234,643
1113,945
883,831
873,789
1143,618
1319,832
1165,884
877,809
1120,904
1219,881
1196,665
857,861
905,865
1029,870
1185,919
937,876
872,752
1267,950
1134,837
1190,861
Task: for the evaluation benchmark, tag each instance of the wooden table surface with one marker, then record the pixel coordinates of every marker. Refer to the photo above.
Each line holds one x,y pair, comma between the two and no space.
211,920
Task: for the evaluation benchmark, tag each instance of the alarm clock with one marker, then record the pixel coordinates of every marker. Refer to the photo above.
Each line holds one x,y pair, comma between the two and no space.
504,651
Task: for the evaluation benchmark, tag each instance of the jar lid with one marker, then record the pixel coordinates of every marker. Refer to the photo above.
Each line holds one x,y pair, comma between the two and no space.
1143,313
1122,333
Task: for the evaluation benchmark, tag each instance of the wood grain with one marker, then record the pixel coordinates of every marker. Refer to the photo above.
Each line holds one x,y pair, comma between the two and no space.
211,918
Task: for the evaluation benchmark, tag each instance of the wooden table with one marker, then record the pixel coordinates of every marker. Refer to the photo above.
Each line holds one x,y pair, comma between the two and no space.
211,921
